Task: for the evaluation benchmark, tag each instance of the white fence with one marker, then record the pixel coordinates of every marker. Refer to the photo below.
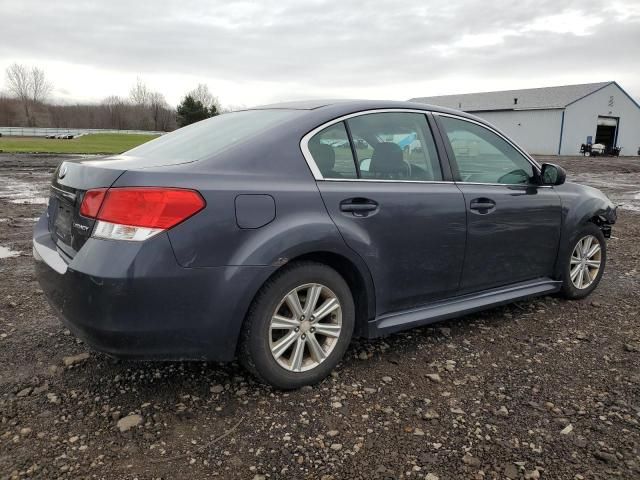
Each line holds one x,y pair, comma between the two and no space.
43,132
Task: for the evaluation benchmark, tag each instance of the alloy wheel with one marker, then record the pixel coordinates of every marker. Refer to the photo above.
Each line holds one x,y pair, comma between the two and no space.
305,327
585,262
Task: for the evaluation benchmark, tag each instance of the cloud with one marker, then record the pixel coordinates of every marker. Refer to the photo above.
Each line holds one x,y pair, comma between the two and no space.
258,52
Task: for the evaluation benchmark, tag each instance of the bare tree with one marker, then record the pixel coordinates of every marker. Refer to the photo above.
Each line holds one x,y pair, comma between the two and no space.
27,104
116,110
140,97
8,107
140,93
203,95
159,107
40,87
30,87
18,83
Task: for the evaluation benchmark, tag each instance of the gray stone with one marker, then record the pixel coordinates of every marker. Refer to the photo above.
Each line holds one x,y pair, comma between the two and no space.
128,422
632,347
430,414
53,398
566,430
605,457
75,359
24,392
446,331
470,460
511,471
434,377
502,411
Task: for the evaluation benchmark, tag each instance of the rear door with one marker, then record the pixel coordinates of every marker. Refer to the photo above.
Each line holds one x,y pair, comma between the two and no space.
513,223
393,205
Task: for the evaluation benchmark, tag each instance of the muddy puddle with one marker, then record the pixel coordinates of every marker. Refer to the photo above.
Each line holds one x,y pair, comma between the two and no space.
31,188
6,252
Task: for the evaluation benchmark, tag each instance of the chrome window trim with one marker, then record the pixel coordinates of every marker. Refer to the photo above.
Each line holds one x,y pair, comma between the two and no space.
382,180
519,149
375,180
505,184
304,145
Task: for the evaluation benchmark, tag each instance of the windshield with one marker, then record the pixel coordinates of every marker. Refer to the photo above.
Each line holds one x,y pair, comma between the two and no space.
208,137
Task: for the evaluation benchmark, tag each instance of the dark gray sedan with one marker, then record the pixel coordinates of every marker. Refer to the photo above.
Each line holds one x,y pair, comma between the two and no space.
276,234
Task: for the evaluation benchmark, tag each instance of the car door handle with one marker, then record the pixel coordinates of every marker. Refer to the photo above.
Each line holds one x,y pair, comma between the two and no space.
358,206
482,205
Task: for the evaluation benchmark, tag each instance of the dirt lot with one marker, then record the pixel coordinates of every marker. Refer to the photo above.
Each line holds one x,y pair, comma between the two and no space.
541,389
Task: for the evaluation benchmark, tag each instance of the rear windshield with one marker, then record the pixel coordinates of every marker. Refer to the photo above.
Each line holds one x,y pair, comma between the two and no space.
208,137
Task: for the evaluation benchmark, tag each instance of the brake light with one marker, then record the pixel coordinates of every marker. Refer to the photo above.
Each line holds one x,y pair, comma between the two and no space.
138,213
91,202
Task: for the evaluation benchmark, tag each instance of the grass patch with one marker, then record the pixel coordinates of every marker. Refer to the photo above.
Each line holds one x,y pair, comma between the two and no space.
107,143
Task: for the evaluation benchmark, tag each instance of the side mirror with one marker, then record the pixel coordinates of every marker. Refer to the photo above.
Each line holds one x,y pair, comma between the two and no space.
553,174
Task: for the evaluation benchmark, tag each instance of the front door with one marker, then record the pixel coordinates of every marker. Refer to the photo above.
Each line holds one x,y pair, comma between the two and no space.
392,206
513,223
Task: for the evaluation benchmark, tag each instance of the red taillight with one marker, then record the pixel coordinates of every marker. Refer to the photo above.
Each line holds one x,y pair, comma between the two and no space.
91,202
150,207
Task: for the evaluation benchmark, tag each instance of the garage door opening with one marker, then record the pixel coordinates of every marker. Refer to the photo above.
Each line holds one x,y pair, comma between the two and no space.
607,132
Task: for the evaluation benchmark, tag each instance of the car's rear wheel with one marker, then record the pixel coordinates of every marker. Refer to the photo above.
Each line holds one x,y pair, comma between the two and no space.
585,264
299,326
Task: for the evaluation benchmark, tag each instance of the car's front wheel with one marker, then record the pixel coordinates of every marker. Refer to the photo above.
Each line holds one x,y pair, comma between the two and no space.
299,326
585,264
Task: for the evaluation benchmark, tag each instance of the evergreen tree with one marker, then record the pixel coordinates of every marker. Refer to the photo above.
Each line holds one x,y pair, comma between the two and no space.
191,111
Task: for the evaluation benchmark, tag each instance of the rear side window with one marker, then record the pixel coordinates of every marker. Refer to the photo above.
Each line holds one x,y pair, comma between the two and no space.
208,137
484,157
331,151
395,146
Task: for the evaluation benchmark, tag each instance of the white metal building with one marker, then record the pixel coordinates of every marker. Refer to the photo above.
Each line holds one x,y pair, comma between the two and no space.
556,120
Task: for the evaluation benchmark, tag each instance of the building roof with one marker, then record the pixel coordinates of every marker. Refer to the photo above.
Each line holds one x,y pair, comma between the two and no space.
527,99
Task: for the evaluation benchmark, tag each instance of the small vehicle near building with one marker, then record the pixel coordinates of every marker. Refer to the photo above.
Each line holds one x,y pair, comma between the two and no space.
599,149
276,234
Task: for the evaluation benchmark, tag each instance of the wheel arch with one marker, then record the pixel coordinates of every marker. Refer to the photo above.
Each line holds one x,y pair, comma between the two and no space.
358,279
578,213
352,269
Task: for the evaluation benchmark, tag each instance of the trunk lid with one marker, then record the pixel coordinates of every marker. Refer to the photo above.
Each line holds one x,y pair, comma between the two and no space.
70,230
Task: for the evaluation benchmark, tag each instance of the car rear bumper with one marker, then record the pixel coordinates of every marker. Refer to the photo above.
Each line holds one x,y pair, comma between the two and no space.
133,300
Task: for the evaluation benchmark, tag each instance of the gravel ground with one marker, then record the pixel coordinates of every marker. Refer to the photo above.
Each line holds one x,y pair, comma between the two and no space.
540,389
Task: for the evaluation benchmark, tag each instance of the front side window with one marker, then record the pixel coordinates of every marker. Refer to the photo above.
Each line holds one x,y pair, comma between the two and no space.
331,151
395,146
484,157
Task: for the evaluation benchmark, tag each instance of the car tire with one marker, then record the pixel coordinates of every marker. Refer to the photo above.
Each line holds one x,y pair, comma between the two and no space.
270,325
571,281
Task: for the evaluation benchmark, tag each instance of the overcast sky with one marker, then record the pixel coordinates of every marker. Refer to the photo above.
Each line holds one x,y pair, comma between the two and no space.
260,52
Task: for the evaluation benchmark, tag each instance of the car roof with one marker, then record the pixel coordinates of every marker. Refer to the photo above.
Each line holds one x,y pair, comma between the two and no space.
353,104
301,104
338,107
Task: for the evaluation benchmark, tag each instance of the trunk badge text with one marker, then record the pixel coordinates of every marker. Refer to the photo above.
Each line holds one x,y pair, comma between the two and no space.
84,228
